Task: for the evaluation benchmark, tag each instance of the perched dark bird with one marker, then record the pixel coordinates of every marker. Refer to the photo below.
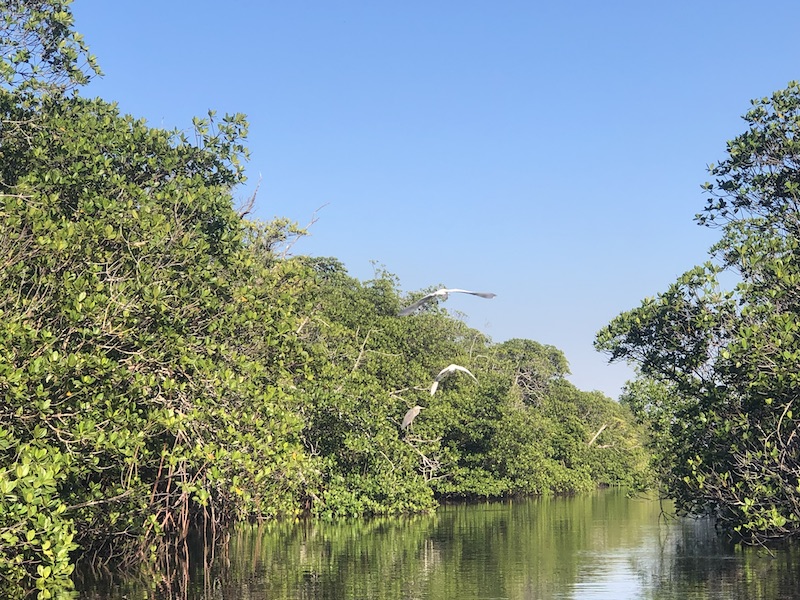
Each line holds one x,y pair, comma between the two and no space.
447,371
442,293
409,417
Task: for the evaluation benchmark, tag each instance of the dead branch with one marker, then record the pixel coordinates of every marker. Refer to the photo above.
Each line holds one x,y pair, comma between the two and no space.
248,206
599,431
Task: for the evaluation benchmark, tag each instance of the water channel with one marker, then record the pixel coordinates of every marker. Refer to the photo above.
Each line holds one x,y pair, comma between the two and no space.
598,546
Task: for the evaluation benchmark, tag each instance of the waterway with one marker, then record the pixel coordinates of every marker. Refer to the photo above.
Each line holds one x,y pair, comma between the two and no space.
598,546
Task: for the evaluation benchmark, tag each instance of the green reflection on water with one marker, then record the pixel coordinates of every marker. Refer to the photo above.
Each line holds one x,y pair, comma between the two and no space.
603,545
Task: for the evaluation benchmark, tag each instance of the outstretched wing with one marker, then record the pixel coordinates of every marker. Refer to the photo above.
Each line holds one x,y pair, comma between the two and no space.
412,307
481,294
453,368
443,293
447,371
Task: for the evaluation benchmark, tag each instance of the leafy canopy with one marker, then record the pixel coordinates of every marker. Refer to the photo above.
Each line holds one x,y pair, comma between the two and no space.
39,49
719,366
167,369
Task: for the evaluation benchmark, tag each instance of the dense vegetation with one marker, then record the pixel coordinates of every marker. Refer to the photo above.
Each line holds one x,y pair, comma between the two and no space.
719,367
164,368
521,429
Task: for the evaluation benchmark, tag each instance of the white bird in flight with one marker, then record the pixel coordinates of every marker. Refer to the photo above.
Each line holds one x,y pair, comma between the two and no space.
447,371
442,293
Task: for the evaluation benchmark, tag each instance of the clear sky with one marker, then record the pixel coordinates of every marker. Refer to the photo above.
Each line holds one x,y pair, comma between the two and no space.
550,152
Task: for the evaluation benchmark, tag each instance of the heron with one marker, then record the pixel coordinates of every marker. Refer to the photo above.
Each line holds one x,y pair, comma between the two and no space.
449,369
441,293
409,417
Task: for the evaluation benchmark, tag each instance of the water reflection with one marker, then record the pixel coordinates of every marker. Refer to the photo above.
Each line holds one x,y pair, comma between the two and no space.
596,546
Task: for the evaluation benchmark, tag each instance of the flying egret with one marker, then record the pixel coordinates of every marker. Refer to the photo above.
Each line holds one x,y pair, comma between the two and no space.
447,371
408,419
442,293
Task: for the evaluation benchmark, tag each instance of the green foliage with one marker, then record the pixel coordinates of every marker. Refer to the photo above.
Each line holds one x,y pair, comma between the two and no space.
166,368
36,537
535,367
719,367
144,343
39,49
521,429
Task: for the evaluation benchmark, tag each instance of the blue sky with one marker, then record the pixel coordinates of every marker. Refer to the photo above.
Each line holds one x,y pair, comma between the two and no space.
551,153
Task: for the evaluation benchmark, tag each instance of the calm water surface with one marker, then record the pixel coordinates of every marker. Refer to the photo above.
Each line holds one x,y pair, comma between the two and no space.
597,546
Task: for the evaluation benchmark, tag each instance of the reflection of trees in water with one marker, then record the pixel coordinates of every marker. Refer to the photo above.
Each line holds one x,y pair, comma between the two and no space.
694,561
587,546
191,576
517,549
376,558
